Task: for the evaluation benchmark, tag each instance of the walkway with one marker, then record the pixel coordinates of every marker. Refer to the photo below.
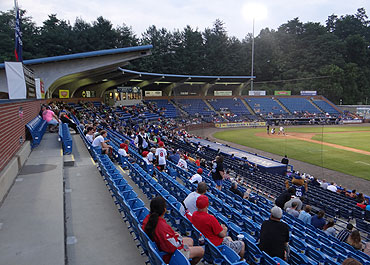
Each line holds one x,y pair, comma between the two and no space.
35,228
32,230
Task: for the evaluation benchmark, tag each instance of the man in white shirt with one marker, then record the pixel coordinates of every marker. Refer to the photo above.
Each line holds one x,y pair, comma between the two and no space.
197,178
101,142
161,155
90,134
182,163
189,205
145,157
122,150
332,187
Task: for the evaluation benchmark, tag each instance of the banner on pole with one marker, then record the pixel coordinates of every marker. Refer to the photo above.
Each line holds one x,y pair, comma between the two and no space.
16,82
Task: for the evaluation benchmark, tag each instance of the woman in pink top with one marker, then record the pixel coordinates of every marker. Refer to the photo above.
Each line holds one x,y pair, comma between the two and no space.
50,117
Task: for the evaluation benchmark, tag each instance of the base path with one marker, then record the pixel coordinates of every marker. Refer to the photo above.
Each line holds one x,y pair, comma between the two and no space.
348,181
307,137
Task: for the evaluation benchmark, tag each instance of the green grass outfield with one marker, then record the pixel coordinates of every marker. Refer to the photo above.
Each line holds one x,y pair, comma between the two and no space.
348,162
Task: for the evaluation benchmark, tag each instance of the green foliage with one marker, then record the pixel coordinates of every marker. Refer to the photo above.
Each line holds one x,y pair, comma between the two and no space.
333,59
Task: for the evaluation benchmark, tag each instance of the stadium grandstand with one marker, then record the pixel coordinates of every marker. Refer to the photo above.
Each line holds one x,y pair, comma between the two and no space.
81,196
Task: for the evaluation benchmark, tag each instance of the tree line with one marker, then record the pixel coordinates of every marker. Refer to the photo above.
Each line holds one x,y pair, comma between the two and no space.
333,59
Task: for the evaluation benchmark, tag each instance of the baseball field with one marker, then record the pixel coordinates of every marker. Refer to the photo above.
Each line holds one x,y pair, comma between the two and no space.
341,148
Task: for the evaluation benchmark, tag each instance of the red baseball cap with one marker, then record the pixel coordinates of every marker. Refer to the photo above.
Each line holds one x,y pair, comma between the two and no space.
122,145
200,171
145,153
161,144
202,202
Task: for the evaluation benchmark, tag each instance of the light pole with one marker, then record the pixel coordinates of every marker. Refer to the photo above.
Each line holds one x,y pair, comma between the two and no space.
256,11
252,67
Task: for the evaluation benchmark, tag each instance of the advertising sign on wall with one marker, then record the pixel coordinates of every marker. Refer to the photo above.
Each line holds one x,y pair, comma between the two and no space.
240,124
282,93
153,93
308,93
223,93
63,93
257,93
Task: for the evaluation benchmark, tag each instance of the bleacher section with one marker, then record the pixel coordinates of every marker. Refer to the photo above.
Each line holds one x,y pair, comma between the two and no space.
234,106
194,107
325,106
241,216
265,106
299,105
165,106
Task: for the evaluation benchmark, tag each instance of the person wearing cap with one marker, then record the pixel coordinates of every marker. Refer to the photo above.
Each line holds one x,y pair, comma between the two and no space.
189,204
145,157
182,163
284,197
122,150
161,155
197,177
274,235
208,225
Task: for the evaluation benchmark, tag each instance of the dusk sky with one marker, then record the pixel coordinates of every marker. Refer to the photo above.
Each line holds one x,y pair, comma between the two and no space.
174,14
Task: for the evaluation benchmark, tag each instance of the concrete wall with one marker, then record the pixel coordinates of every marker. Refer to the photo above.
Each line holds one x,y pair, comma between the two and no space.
10,171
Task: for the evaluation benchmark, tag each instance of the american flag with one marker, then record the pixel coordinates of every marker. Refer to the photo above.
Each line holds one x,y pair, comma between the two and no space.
18,35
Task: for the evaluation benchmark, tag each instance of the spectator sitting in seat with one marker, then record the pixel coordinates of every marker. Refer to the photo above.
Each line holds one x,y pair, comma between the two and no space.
305,215
182,163
329,228
209,226
90,134
145,157
354,239
360,198
101,142
324,184
197,177
362,204
166,239
284,197
293,210
353,194
298,200
51,119
332,187
122,150
318,220
274,236
234,189
189,205
315,183
343,234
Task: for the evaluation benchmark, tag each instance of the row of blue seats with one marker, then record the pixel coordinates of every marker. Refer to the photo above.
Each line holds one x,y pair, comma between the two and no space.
36,128
322,244
65,138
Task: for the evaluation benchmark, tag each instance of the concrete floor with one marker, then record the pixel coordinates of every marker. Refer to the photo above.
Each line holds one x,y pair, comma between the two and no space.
32,230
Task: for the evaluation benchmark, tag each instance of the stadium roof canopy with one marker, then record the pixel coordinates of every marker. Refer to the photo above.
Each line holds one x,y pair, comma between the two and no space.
101,70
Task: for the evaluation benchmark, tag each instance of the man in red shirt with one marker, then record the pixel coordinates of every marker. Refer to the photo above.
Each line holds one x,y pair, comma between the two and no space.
208,225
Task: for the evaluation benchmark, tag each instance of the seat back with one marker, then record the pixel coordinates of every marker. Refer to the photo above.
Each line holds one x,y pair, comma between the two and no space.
179,259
